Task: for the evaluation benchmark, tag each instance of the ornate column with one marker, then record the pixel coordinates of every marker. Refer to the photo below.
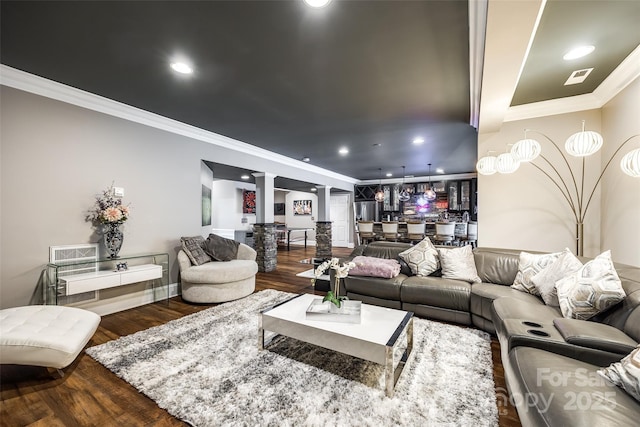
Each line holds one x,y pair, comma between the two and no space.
264,236
323,239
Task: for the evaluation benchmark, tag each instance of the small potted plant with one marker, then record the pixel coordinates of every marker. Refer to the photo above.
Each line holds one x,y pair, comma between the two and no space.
341,271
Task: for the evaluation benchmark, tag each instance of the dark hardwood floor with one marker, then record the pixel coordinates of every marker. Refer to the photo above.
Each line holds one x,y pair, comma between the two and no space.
90,395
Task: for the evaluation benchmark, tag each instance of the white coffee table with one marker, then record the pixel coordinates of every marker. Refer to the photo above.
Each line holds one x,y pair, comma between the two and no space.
375,339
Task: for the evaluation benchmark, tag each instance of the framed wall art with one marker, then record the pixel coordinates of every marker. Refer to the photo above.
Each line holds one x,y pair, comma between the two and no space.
302,207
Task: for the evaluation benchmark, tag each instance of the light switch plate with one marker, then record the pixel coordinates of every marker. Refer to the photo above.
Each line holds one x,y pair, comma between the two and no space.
118,191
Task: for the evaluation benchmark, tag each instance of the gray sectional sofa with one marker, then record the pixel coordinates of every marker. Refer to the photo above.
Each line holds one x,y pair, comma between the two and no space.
550,362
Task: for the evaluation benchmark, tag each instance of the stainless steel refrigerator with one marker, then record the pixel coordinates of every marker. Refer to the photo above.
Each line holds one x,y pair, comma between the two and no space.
366,211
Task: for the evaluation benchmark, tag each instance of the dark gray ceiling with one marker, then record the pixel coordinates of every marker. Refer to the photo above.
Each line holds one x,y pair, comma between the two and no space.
612,26
368,75
276,74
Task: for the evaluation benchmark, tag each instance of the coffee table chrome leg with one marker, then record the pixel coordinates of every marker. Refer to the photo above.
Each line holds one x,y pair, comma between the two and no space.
389,373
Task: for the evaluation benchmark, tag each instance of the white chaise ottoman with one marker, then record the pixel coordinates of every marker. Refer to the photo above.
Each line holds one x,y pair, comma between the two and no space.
44,335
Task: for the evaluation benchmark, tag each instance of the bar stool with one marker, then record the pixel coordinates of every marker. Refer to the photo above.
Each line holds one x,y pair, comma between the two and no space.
445,232
460,232
365,232
415,231
390,231
472,234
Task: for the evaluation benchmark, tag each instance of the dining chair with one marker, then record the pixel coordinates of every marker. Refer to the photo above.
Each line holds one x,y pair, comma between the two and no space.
445,232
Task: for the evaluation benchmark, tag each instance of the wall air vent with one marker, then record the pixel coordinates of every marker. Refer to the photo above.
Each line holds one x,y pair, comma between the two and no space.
578,76
81,259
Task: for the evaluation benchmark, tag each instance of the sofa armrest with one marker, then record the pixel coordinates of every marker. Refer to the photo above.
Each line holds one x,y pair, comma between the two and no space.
594,335
246,252
183,261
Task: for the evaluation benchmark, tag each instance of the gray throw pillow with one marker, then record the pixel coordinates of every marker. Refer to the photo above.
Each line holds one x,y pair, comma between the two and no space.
545,280
591,290
625,373
421,258
528,266
221,249
458,263
194,248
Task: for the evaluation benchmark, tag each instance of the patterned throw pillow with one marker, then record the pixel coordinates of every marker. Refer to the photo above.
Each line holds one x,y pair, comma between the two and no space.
625,373
458,263
545,280
194,248
421,258
528,266
591,290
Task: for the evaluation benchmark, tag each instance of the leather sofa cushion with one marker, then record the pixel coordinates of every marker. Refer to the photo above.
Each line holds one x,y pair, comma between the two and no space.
483,295
534,310
498,266
388,250
380,288
436,291
566,391
220,272
594,335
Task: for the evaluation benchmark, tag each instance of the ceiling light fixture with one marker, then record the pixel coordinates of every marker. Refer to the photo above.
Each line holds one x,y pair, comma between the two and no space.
389,174
344,151
379,197
182,68
314,189
306,159
430,194
404,195
439,170
578,52
245,177
418,140
317,3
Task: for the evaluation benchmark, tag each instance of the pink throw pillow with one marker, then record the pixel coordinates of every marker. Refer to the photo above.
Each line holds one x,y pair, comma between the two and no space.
375,267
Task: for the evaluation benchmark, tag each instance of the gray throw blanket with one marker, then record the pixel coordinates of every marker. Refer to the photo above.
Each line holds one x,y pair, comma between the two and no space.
221,249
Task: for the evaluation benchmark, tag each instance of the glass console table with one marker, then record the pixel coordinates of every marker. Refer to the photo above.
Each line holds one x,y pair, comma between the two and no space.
64,279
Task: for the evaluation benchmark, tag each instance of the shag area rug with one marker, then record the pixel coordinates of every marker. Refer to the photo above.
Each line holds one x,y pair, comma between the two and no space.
206,370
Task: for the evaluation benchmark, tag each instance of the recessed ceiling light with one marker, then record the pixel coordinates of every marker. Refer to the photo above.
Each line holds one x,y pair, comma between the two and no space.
317,3
245,177
439,170
314,189
306,159
344,151
377,144
578,52
181,68
418,140
389,174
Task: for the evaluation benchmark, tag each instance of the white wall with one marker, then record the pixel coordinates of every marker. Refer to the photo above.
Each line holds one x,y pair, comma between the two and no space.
524,211
227,205
55,157
302,221
206,178
620,221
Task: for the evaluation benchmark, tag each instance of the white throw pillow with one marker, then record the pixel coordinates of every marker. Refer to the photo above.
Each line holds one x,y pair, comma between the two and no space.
528,266
458,263
545,280
421,258
590,290
625,373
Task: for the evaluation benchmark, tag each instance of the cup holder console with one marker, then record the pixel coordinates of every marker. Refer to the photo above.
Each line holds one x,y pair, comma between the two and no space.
532,324
538,332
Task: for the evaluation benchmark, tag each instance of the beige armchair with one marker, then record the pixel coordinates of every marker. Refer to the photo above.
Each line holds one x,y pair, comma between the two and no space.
218,281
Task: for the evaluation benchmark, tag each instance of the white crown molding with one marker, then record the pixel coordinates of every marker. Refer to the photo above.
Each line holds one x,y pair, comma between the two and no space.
621,77
477,35
27,82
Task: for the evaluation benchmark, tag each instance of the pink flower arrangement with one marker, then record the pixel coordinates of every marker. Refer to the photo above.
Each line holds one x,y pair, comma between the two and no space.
108,209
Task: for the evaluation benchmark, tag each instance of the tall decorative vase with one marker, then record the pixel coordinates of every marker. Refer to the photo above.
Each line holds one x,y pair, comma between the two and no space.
113,238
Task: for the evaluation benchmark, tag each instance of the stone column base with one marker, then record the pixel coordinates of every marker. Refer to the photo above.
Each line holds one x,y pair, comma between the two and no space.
323,239
266,246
